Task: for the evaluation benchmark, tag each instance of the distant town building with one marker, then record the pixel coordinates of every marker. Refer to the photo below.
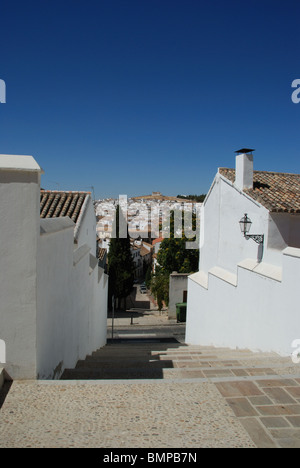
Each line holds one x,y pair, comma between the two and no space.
145,214
142,256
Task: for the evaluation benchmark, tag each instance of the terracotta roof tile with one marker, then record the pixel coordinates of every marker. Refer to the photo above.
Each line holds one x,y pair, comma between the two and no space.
144,251
101,253
54,204
276,191
155,241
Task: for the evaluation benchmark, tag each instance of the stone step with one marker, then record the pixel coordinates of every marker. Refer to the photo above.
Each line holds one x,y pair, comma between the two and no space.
123,364
157,360
219,353
184,362
177,348
128,351
85,373
212,361
136,347
203,360
123,373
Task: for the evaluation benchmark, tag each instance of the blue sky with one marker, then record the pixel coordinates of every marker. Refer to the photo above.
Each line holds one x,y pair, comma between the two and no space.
134,96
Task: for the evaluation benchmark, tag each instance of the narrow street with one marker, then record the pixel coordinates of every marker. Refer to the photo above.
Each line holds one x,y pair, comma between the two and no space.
136,340
142,320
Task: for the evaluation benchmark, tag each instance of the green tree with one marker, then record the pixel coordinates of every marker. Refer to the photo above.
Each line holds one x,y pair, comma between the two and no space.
120,262
160,287
196,198
173,254
148,276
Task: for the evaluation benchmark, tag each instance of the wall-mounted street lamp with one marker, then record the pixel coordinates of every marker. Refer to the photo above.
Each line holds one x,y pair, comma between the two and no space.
245,225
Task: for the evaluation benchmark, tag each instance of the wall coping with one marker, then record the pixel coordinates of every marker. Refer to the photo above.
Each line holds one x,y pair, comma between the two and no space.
93,263
81,217
224,275
79,253
291,252
265,269
52,225
13,162
200,278
175,273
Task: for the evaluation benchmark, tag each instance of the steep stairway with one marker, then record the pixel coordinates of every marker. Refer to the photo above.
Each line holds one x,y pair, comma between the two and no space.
168,359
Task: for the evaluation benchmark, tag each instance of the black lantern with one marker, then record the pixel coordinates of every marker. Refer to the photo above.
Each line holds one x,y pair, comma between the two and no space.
245,225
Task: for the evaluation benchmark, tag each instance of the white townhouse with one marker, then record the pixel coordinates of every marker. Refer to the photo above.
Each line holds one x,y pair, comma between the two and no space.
246,293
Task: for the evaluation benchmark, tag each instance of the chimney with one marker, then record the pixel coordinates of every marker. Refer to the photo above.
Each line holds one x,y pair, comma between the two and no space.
244,168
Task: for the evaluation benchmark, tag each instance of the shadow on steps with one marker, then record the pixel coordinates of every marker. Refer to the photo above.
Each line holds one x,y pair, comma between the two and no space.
128,358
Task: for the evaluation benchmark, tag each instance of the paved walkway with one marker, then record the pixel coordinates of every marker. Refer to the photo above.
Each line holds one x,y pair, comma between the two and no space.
119,415
205,397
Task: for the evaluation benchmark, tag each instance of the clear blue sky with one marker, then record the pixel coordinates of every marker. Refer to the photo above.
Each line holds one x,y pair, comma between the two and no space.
135,96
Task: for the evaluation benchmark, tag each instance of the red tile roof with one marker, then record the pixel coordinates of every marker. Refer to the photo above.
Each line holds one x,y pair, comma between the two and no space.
155,241
54,204
277,191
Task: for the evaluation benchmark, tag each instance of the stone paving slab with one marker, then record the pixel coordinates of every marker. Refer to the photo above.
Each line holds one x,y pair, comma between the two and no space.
269,409
153,414
135,415
262,390
211,397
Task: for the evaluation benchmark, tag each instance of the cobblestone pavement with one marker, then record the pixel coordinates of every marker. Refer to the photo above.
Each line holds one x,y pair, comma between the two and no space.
204,397
131,415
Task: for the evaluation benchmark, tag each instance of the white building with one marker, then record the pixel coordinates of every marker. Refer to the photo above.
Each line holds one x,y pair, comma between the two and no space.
135,249
53,295
246,294
177,292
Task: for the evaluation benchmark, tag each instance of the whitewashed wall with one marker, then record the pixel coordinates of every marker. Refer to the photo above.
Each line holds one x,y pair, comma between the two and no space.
222,243
258,313
19,231
53,299
244,295
178,284
71,300
86,232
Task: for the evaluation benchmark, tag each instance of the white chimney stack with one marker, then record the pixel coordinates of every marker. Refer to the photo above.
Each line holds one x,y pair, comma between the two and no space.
244,169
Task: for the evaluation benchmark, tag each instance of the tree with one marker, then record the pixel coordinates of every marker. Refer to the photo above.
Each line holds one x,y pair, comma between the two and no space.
160,287
173,254
196,198
148,276
120,262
